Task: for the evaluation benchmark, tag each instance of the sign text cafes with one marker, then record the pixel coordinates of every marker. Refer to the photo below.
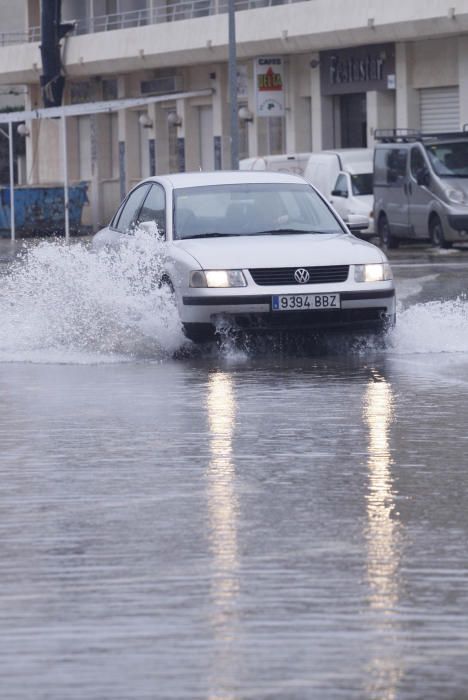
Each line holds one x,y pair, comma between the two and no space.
269,86
357,69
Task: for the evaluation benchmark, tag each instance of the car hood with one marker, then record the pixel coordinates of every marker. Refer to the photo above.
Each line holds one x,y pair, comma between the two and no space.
304,250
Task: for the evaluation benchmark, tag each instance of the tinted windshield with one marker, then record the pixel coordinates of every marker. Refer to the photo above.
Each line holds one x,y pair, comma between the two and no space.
250,209
449,159
362,183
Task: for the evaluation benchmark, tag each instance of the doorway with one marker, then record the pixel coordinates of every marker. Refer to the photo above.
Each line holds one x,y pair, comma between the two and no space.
353,120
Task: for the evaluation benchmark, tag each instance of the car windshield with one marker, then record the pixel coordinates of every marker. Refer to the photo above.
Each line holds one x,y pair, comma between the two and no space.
449,159
250,209
362,184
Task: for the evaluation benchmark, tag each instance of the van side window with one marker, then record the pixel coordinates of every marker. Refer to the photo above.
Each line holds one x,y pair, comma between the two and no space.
390,166
154,208
341,186
417,162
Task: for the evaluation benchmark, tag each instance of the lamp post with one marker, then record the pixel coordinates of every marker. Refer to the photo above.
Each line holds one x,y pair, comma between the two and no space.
233,86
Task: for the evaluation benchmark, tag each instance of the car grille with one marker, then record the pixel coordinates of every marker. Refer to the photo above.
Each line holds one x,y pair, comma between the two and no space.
285,275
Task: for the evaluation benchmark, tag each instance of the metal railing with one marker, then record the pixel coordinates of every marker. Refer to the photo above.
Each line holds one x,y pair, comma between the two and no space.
172,11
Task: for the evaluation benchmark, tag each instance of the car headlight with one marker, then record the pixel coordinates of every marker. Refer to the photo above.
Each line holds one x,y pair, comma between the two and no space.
456,196
217,278
375,272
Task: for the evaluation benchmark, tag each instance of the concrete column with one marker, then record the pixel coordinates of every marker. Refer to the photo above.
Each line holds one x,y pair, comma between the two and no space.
298,117
380,113
32,141
463,78
188,136
160,134
315,102
407,98
129,145
252,105
221,118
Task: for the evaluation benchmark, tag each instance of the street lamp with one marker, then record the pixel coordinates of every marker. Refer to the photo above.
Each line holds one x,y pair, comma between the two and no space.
233,86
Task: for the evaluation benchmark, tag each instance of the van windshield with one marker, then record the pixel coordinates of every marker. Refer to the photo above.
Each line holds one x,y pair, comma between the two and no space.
362,184
449,159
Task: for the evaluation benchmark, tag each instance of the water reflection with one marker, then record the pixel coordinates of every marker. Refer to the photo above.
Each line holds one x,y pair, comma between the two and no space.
383,535
223,513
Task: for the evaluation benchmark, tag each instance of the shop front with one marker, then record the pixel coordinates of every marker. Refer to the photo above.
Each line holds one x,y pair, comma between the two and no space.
346,78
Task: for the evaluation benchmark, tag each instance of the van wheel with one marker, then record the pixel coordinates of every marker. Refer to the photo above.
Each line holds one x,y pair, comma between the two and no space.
436,232
388,241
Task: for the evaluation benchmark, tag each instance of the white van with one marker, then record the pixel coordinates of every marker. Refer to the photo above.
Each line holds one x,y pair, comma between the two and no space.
343,176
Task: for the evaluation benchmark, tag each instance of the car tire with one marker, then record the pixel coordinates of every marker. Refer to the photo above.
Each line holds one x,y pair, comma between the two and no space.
387,239
436,233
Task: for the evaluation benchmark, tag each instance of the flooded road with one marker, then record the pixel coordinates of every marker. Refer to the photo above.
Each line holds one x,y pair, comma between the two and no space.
226,524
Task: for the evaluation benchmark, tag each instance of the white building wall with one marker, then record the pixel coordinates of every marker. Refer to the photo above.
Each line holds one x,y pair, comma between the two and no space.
431,51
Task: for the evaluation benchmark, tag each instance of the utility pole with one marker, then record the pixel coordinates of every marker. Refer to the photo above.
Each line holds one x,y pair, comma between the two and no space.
233,86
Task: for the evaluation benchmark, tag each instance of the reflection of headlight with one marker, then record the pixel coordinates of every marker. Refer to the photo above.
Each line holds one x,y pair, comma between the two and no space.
217,278
456,196
377,272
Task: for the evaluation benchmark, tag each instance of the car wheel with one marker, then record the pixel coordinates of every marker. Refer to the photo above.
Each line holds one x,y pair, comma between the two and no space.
436,232
388,241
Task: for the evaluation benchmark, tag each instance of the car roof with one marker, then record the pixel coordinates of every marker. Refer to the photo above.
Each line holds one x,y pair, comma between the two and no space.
225,177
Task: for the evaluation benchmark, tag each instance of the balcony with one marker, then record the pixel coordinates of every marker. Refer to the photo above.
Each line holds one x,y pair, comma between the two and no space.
171,11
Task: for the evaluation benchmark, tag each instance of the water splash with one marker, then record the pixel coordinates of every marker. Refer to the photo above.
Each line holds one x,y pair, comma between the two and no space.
62,303
67,303
431,327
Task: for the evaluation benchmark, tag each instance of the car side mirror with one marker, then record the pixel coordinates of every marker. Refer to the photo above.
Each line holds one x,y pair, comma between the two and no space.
423,178
339,193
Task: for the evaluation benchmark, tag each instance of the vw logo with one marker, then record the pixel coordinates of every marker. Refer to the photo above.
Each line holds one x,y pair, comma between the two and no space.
301,275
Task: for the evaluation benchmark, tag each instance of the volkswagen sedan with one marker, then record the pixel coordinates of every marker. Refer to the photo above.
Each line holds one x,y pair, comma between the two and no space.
261,251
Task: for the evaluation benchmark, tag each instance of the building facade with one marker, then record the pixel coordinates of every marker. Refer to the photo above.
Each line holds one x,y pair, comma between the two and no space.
312,74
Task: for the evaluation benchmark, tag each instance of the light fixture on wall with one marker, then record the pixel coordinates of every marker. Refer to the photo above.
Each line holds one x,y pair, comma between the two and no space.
245,114
145,121
371,23
23,130
314,63
173,119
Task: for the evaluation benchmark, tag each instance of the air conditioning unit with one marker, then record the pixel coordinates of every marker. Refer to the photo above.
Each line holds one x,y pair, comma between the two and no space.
161,86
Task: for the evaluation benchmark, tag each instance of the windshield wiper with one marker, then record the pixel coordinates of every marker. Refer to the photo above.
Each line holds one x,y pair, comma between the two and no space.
213,234
287,231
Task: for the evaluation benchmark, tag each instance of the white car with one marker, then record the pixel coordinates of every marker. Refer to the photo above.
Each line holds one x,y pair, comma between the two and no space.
263,251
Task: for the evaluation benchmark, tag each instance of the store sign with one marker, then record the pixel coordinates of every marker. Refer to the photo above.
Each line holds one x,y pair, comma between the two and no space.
359,69
269,86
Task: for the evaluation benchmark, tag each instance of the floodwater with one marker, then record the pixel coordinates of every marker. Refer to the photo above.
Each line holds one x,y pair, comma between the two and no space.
227,524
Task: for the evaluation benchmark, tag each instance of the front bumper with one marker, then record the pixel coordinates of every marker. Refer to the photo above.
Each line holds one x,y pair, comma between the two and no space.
361,311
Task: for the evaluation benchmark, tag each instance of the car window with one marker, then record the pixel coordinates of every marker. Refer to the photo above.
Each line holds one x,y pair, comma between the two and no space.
250,209
130,209
362,183
390,166
154,208
341,185
417,162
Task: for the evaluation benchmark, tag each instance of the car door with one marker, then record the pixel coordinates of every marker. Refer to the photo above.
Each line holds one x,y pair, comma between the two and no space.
397,192
419,195
340,194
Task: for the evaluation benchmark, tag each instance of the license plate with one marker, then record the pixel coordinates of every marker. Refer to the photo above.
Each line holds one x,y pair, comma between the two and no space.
304,302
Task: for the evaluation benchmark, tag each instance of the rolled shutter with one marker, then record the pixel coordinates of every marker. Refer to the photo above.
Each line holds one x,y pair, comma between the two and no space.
440,109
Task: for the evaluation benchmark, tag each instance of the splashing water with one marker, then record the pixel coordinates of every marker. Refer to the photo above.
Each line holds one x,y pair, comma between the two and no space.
432,327
62,303
66,303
